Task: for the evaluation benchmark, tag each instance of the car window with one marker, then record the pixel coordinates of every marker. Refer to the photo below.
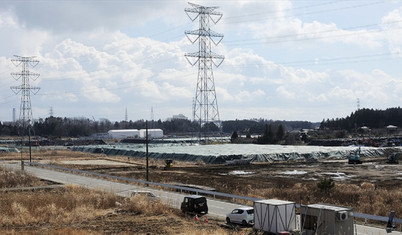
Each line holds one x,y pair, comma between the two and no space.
240,212
251,211
234,211
201,199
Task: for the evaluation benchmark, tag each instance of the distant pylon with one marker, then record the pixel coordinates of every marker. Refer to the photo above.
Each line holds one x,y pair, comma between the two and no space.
51,112
25,88
205,108
358,104
14,117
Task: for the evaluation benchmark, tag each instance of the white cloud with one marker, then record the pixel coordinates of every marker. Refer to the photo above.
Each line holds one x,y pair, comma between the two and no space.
99,65
283,92
76,16
294,30
392,24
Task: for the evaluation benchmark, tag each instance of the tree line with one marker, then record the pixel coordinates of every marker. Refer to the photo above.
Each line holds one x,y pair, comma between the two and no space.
365,117
57,127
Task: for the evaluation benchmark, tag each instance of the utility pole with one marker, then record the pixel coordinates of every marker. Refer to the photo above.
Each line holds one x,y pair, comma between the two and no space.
205,109
152,118
146,152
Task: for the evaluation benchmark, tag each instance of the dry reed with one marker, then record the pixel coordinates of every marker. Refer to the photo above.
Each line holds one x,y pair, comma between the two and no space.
11,179
65,206
365,198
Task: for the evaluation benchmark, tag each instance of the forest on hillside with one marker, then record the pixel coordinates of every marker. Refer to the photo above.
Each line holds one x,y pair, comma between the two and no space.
373,119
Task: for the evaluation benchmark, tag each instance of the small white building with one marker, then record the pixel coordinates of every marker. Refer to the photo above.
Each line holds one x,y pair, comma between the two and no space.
124,134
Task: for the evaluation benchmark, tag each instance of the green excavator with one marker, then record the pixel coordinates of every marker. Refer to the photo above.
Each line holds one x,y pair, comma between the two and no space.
355,158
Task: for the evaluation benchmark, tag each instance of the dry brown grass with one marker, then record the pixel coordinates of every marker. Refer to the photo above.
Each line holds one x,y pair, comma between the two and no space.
140,204
11,179
364,198
75,210
39,153
65,206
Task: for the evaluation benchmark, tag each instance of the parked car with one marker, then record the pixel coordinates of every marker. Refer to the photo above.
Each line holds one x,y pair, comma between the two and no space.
194,204
242,215
150,195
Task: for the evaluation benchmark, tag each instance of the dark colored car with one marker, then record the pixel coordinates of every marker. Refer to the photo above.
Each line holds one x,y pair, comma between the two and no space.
194,204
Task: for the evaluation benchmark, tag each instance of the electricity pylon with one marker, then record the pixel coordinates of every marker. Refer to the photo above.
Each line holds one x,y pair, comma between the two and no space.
205,108
25,88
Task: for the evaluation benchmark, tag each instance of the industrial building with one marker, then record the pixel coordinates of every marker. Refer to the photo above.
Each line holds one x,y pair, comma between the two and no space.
135,134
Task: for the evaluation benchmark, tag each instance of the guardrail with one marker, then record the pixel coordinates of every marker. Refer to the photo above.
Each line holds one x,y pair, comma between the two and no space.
197,191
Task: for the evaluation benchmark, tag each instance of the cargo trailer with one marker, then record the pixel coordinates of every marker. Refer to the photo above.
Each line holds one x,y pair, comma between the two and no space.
274,216
326,219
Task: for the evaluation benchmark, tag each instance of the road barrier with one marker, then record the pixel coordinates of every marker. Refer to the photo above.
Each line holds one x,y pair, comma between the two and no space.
214,194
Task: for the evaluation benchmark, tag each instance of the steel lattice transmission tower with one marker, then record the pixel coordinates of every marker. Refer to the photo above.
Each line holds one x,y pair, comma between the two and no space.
205,108
25,89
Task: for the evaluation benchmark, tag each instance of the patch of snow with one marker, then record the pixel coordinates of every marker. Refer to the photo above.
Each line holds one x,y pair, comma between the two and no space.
337,175
294,172
241,172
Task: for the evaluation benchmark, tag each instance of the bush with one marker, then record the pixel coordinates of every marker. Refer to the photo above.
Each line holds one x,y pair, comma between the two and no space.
326,184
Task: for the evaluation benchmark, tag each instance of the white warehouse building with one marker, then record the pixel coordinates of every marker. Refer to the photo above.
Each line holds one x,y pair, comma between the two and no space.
135,134
152,133
124,133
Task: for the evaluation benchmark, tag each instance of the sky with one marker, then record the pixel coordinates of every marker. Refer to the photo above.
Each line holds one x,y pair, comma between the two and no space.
305,60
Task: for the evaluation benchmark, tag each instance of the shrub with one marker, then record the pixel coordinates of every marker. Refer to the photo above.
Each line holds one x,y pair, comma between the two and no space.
326,184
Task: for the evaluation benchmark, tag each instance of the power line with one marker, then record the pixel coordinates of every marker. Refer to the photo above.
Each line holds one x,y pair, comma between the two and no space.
291,37
325,61
303,14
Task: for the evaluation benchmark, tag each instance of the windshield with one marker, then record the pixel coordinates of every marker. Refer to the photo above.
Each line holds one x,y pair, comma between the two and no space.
201,199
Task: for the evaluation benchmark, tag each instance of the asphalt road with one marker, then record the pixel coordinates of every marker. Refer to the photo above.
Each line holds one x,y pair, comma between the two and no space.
216,209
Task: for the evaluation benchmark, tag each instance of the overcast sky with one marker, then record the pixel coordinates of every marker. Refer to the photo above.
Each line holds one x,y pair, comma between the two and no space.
284,60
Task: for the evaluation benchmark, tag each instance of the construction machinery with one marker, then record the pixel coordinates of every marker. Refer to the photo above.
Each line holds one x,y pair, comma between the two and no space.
169,164
355,157
393,158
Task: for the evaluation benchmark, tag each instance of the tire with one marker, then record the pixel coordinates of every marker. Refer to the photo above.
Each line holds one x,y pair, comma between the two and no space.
244,223
227,220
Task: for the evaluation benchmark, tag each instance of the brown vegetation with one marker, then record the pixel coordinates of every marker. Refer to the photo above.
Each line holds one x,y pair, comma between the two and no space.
370,190
364,198
12,179
75,210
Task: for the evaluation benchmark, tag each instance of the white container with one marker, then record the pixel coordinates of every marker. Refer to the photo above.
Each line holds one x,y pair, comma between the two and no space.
274,216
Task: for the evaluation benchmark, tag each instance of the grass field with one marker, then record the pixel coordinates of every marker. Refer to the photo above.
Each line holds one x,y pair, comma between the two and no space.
75,210
79,211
